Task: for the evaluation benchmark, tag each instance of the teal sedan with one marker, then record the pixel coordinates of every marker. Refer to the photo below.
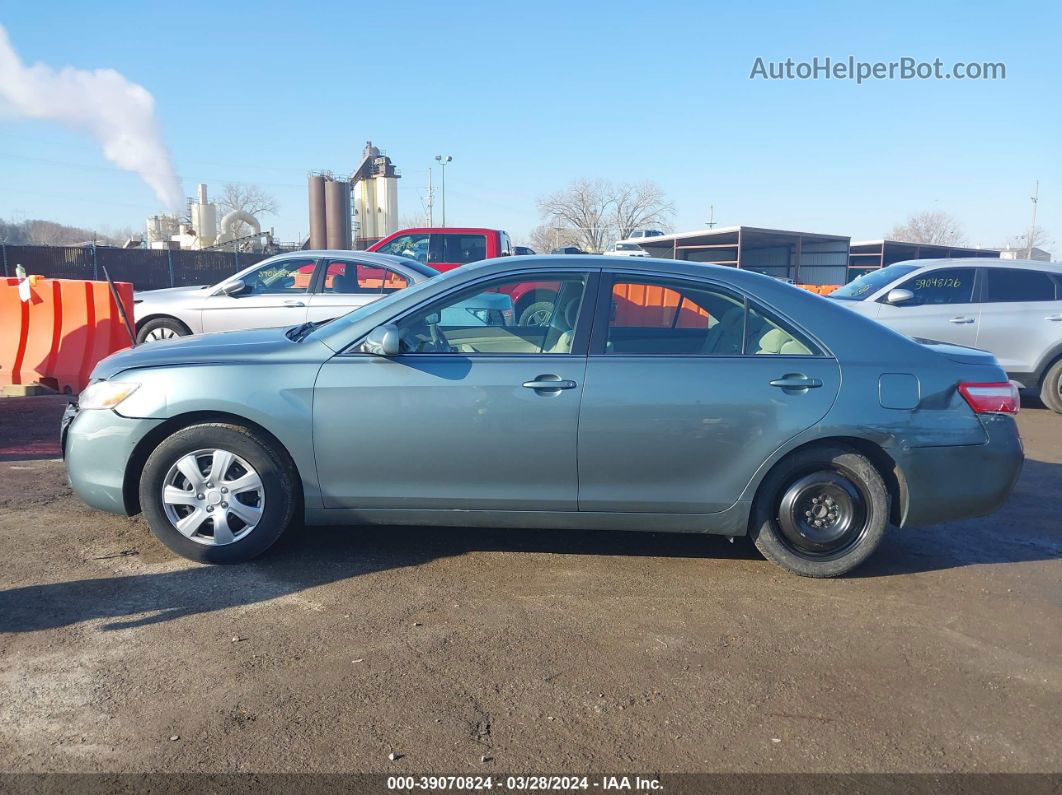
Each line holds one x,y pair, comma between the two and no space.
653,395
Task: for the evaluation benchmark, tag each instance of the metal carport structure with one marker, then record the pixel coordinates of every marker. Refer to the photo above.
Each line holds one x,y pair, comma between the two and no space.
801,257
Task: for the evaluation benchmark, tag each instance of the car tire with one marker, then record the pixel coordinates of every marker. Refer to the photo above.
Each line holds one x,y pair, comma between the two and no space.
820,512
255,514
161,328
533,313
1051,389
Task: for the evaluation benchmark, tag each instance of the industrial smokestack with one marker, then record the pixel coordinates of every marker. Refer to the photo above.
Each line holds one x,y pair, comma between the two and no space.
119,114
318,224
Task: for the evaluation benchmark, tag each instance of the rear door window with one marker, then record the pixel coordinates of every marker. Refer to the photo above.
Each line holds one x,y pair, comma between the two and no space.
457,249
944,286
345,277
1018,285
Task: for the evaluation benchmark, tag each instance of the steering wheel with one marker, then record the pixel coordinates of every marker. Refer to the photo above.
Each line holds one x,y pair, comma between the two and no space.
438,340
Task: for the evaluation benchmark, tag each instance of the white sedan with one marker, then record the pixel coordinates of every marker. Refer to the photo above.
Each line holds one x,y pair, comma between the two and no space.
284,290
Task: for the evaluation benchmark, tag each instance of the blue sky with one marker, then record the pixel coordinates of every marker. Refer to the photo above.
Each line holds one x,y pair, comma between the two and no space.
527,97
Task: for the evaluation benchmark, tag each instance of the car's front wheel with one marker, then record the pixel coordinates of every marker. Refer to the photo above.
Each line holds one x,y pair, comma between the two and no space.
218,493
162,328
1051,390
821,512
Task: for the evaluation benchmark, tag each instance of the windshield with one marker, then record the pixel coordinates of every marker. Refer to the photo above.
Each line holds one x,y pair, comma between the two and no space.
382,303
869,283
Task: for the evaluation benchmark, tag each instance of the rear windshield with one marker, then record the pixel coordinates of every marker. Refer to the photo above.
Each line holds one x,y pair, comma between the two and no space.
870,283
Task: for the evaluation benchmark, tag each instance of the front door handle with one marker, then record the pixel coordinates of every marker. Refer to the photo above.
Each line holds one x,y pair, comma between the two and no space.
294,304
796,381
961,319
549,382
1055,318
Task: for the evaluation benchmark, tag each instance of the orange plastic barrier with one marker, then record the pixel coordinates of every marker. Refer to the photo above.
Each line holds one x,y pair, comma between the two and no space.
819,289
654,306
59,335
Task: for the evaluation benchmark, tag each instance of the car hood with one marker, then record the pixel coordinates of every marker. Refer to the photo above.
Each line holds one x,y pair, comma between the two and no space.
169,293
863,307
225,346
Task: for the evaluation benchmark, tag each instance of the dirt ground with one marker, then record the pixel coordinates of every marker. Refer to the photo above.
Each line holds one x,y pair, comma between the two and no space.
480,651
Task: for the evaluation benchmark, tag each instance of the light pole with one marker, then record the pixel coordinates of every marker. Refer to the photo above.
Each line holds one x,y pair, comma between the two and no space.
443,160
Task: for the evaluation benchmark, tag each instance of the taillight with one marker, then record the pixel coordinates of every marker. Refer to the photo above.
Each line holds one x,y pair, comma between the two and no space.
1001,398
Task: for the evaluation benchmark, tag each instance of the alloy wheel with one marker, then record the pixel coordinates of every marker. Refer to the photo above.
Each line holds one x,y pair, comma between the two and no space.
160,333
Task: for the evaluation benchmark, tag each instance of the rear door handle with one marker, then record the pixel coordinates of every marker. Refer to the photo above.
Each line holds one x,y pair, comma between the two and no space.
1056,318
551,382
294,303
962,319
796,382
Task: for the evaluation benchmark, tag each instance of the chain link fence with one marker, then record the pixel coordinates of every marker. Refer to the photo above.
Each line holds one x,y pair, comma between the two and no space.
147,269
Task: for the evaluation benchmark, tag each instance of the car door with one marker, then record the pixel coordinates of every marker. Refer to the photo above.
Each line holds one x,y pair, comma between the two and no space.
475,413
1021,316
689,388
275,294
346,284
943,308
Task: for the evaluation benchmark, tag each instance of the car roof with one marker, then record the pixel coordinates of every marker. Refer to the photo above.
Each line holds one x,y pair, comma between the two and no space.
446,230
982,262
639,265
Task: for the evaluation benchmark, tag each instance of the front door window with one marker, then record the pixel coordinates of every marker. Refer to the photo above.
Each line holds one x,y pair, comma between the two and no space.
481,320
283,277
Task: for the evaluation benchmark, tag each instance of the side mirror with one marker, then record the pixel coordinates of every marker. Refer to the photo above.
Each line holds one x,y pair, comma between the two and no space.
233,288
383,341
899,296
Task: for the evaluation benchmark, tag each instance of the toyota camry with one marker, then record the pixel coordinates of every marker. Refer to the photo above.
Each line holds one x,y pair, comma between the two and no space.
653,395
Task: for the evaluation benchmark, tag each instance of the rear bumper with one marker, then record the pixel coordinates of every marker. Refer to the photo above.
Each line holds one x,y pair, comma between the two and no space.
945,484
97,446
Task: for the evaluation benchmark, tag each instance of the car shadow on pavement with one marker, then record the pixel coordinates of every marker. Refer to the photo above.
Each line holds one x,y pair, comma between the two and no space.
1025,529
310,558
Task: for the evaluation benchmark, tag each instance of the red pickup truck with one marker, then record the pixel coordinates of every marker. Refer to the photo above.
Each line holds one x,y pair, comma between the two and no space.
446,248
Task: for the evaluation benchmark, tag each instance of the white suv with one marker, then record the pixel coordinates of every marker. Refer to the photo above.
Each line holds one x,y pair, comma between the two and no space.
1012,309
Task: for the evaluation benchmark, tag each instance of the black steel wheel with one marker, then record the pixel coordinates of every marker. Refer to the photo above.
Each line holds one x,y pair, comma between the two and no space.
820,512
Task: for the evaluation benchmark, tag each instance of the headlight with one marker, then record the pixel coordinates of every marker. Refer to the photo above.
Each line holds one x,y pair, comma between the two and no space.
106,394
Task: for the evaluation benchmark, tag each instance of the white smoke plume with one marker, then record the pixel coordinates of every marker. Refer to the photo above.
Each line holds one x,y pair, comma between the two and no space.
119,114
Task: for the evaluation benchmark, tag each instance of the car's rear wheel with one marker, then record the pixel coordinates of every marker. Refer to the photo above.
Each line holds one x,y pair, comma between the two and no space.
218,493
821,512
162,328
1051,389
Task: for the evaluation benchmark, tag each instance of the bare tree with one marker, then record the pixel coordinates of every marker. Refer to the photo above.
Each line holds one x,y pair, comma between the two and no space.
640,206
412,221
544,238
1036,237
583,207
930,227
591,213
248,198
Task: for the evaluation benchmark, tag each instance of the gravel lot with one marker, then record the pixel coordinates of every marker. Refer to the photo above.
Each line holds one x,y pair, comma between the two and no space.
533,651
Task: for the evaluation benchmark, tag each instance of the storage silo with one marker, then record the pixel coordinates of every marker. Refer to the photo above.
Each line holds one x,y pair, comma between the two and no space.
337,214
318,222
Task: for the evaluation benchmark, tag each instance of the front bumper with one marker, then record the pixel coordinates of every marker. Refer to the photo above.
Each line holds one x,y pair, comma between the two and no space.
944,484
97,446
